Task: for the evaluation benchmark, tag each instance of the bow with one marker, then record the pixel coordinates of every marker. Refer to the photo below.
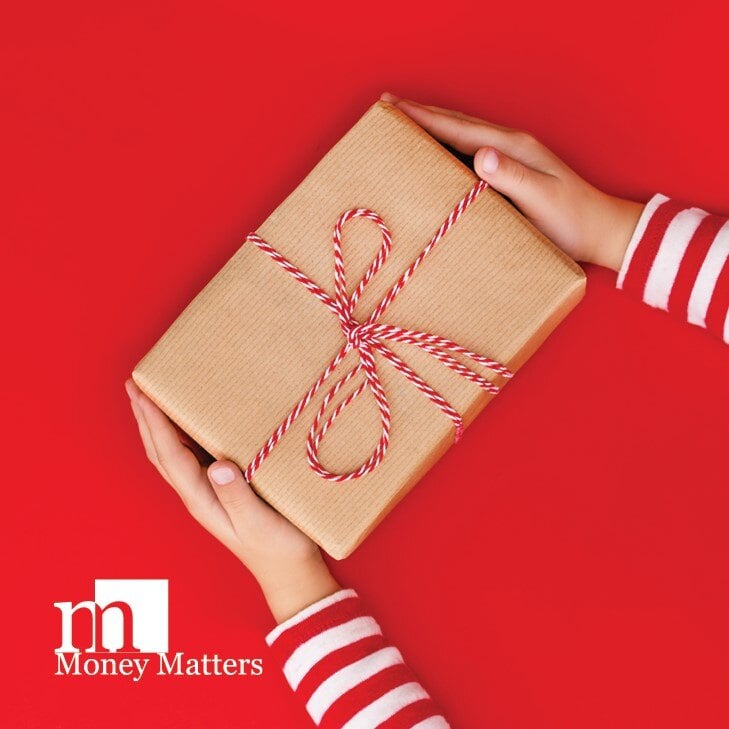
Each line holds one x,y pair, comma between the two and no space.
368,338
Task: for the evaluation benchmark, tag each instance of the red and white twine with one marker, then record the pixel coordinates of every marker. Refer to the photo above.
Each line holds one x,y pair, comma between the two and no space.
368,338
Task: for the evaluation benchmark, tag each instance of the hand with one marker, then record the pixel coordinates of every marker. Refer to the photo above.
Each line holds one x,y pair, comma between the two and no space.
287,564
584,222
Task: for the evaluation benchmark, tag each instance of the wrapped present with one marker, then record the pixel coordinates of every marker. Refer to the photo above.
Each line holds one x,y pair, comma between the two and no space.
360,329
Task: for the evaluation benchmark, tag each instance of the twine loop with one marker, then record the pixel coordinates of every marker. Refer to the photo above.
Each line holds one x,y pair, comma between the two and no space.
368,339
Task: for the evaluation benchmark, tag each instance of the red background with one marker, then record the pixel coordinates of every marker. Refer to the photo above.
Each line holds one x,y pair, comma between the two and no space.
583,580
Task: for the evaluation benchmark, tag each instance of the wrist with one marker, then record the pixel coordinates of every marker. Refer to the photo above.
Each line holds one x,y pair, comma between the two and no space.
290,588
618,219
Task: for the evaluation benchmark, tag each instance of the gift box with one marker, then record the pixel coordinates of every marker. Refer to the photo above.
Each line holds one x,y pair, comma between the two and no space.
350,340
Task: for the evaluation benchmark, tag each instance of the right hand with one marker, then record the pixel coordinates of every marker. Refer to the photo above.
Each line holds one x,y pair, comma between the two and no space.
584,222
286,563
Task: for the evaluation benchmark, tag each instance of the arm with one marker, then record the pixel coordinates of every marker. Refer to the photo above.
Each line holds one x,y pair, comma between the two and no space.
336,659
678,260
670,255
331,650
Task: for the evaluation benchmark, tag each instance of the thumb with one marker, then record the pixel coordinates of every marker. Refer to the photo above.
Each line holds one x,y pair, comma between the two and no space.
524,185
233,491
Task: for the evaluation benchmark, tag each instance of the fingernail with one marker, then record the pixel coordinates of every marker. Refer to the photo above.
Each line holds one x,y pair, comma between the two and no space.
390,98
128,388
489,162
222,475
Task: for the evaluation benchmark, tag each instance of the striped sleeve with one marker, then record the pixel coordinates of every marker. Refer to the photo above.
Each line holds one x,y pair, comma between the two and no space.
338,663
678,261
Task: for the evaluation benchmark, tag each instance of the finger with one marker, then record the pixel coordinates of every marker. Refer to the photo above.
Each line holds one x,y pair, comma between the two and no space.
177,462
196,493
144,434
234,493
529,189
465,134
181,469
395,100
203,457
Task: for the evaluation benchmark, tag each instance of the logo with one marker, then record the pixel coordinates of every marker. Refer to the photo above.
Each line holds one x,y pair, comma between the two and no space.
124,631
127,616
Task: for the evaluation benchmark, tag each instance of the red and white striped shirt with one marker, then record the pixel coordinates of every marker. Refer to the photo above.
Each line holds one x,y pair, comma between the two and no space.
678,261
333,653
340,666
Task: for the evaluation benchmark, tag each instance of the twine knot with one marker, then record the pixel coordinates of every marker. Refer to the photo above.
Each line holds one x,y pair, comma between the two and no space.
367,339
356,334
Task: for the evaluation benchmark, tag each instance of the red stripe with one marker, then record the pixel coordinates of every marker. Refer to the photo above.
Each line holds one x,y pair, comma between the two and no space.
329,617
411,715
363,694
691,263
335,661
719,304
647,248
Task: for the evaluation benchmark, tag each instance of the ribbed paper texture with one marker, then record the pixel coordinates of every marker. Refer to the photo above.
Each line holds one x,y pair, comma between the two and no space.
248,347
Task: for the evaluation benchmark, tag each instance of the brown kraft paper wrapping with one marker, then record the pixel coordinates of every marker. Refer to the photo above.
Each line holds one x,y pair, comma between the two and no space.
248,347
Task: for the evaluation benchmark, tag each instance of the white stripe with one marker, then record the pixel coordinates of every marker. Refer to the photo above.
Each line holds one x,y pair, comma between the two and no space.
670,253
708,274
726,327
433,722
303,659
308,612
386,706
645,217
347,678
